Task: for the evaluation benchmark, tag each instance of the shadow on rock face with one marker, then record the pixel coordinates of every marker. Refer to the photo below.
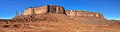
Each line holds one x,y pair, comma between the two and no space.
6,26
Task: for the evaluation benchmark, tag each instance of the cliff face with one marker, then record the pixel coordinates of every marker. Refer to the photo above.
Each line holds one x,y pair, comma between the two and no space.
56,9
37,10
80,13
45,9
52,18
84,15
60,10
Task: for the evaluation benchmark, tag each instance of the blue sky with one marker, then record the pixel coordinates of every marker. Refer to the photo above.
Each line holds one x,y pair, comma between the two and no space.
109,8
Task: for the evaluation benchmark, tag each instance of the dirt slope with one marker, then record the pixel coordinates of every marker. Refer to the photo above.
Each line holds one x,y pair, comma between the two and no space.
57,23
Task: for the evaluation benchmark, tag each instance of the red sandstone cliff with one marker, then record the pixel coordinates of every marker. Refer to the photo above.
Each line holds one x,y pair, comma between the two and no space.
61,10
45,9
52,18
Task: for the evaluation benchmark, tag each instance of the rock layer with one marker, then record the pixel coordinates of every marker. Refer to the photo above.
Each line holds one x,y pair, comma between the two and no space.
52,18
45,9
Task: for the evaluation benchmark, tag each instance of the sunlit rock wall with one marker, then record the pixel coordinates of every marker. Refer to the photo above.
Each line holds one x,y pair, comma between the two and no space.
45,9
80,13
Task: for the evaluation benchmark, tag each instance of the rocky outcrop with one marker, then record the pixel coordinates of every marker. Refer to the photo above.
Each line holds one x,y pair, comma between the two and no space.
84,15
56,9
45,9
81,13
33,10
60,10
52,18
114,22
